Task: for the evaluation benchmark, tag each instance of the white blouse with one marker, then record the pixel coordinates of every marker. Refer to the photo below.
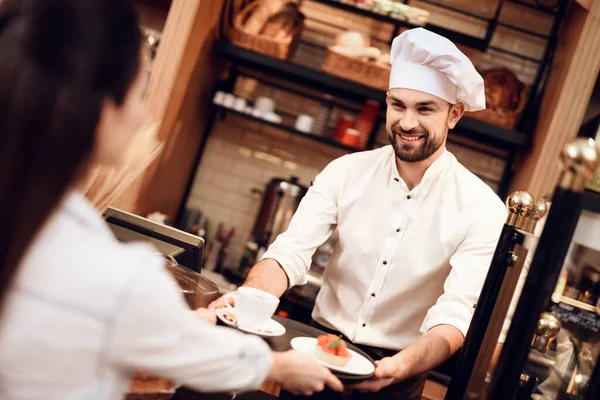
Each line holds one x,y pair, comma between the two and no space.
86,312
406,260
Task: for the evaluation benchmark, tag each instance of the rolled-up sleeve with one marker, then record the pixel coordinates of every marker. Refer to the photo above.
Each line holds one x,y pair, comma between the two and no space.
155,332
311,225
469,266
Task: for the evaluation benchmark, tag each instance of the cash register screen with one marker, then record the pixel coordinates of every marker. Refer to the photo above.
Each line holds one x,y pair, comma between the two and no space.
184,247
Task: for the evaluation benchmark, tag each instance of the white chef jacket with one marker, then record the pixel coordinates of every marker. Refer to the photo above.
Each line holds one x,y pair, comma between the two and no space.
85,312
406,260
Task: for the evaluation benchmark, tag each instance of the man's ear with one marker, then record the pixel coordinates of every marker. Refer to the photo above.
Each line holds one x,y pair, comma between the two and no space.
456,112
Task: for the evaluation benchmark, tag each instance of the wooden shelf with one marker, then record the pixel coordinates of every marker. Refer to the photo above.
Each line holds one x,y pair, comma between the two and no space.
319,80
457,37
321,139
578,304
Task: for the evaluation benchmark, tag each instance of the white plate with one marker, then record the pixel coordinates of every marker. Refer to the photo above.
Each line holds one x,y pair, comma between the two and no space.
271,329
358,365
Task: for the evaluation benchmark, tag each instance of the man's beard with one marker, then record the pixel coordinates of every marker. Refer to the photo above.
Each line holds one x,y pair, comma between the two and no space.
421,150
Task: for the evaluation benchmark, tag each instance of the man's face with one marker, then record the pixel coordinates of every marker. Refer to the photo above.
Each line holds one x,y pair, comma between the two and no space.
417,123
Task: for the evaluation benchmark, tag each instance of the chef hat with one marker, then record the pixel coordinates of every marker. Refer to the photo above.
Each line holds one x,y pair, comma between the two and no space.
424,61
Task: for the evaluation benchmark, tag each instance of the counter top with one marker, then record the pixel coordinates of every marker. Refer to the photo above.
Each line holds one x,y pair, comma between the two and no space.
281,343
185,394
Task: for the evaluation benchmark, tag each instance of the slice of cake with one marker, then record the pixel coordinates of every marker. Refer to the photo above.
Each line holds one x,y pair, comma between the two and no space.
332,350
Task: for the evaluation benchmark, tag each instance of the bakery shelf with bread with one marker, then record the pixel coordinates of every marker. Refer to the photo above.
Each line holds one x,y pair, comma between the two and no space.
269,27
353,58
505,98
350,89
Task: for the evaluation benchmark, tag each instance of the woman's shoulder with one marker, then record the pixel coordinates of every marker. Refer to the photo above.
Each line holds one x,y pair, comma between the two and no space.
72,263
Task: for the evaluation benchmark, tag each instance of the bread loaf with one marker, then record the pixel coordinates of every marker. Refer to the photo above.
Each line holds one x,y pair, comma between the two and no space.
257,20
503,90
281,24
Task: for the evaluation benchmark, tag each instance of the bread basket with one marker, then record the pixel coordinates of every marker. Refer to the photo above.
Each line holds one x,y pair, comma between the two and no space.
281,48
369,73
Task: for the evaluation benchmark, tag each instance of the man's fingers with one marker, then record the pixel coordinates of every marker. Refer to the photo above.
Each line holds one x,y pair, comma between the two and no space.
385,368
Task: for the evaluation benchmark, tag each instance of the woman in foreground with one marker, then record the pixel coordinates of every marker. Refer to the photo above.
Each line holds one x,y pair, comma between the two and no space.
79,311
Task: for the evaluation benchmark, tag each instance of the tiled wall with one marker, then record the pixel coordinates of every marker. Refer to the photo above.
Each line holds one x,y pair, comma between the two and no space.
242,155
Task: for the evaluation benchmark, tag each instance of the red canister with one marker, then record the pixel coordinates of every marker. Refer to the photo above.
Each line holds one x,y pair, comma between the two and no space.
352,138
345,122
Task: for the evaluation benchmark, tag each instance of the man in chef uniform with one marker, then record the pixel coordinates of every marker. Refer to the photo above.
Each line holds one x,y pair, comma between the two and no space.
416,229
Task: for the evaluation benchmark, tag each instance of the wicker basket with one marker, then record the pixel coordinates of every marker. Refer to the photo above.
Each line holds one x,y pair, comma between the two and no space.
281,49
368,73
507,119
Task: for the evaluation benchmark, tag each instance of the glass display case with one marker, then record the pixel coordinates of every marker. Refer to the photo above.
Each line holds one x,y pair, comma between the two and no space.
535,332
566,344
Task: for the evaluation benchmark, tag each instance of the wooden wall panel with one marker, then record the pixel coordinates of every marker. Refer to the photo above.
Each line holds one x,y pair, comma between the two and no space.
183,73
567,95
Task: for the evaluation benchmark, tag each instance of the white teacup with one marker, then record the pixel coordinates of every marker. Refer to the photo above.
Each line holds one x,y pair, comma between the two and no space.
304,123
253,307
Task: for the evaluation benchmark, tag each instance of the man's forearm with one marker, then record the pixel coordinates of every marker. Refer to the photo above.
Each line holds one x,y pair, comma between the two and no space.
430,350
268,275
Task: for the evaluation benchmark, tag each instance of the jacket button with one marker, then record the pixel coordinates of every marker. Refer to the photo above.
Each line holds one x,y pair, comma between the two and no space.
397,180
364,324
385,263
409,197
373,294
398,230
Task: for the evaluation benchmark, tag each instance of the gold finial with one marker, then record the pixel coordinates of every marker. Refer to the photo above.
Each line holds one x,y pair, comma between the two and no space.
540,210
520,205
579,159
547,329
548,326
524,380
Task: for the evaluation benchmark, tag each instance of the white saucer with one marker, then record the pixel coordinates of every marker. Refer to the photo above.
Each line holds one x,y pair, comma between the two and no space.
271,329
358,365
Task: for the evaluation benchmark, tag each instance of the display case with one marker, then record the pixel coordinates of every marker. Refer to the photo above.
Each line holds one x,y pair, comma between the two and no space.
544,283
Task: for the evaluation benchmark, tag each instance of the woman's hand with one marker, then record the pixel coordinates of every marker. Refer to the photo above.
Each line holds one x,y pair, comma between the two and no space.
206,315
300,374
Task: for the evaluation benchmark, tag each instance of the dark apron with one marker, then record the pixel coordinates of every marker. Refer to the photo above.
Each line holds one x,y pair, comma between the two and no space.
409,389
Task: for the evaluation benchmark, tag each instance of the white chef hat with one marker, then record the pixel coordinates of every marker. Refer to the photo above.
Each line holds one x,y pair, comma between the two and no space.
425,61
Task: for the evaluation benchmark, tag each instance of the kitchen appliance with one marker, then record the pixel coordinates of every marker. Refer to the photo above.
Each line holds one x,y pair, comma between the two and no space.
280,201
184,247
197,290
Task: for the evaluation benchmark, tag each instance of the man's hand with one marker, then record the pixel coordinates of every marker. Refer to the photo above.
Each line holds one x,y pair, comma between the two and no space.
386,371
427,352
207,315
219,303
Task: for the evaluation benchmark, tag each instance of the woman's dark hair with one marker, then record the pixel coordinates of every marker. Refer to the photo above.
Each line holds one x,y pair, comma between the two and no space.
59,61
